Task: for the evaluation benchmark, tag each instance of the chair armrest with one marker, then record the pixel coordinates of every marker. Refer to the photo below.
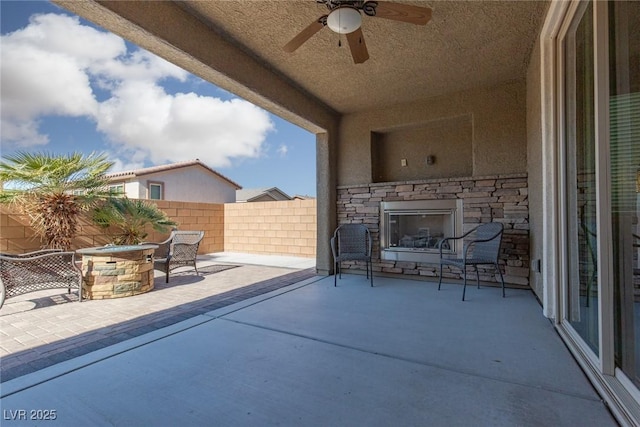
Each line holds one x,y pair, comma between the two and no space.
471,243
163,250
333,247
32,254
440,244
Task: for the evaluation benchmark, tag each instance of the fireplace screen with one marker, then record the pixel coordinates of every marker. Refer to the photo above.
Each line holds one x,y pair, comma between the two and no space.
414,228
418,230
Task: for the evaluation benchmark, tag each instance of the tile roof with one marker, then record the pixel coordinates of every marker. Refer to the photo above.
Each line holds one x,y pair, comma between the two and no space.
163,168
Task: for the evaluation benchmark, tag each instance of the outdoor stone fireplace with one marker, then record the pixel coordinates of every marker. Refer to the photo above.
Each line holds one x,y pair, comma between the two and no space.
410,230
500,198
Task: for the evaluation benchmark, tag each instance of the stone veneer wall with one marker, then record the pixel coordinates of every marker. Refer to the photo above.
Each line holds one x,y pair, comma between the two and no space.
500,198
117,275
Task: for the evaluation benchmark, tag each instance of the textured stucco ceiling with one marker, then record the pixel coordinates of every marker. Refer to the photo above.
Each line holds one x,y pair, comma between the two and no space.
238,46
466,44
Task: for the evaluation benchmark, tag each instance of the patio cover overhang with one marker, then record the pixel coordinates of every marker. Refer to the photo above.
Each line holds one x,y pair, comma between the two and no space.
237,45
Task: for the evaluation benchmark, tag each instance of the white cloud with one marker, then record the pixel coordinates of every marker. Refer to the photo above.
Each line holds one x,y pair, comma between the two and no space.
283,150
120,165
141,116
48,69
41,76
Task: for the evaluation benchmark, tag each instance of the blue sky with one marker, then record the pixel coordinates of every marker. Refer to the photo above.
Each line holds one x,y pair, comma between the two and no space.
68,85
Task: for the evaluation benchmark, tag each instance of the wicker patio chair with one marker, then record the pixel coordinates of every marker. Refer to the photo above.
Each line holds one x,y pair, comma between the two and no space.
179,250
482,248
351,242
39,270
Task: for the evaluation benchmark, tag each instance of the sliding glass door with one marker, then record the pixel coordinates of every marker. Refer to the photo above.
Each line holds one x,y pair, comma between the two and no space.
580,167
599,193
624,136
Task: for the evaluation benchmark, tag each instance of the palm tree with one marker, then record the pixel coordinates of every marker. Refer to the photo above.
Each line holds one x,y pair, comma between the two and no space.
130,218
53,190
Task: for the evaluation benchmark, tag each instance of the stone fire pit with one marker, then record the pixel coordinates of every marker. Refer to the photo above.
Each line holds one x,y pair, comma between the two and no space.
117,271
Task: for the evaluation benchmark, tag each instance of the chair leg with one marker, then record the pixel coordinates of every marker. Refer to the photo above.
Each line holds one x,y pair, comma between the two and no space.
196,268
501,278
167,276
477,277
440,280
335,274
464,287
371,267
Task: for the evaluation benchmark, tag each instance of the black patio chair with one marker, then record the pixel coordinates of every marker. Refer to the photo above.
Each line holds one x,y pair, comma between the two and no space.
179,250
35,271
482,248
351,242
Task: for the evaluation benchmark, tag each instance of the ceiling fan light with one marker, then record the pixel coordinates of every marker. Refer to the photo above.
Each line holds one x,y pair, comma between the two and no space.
344,20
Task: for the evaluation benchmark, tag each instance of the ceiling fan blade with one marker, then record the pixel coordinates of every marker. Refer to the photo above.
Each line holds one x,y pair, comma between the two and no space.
358,47
403,12
305,34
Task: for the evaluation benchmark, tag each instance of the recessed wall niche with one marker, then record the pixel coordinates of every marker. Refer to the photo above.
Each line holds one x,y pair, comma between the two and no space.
448,140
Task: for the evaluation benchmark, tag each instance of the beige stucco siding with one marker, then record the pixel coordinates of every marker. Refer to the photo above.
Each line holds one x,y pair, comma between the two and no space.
132,189
190,185
497,116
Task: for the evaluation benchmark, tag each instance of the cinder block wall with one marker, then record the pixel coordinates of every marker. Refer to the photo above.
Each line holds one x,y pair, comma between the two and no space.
16,235
276,228
207,217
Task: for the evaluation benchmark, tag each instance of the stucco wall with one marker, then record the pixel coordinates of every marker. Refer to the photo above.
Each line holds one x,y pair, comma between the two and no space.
402,154
190,185
132,190
534,168
275,228
499,136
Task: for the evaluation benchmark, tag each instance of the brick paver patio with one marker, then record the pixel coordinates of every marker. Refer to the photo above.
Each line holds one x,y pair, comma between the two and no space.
41,329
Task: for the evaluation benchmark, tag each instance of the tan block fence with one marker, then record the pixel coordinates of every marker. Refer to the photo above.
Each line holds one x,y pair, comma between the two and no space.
275,228
282,228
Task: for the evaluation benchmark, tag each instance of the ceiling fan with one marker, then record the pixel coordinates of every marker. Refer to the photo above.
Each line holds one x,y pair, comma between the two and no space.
345,17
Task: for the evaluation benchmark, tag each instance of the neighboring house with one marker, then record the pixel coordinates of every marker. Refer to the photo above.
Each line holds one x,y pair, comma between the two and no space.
190,181
261,195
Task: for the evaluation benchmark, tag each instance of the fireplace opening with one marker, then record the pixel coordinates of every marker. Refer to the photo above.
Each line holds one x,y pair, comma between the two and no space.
411,230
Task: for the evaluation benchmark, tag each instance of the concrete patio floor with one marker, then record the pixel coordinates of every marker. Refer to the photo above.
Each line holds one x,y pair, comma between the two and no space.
42,328
400,354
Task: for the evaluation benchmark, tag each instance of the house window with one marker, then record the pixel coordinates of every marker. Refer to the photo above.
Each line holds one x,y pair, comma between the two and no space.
116,189
156,190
